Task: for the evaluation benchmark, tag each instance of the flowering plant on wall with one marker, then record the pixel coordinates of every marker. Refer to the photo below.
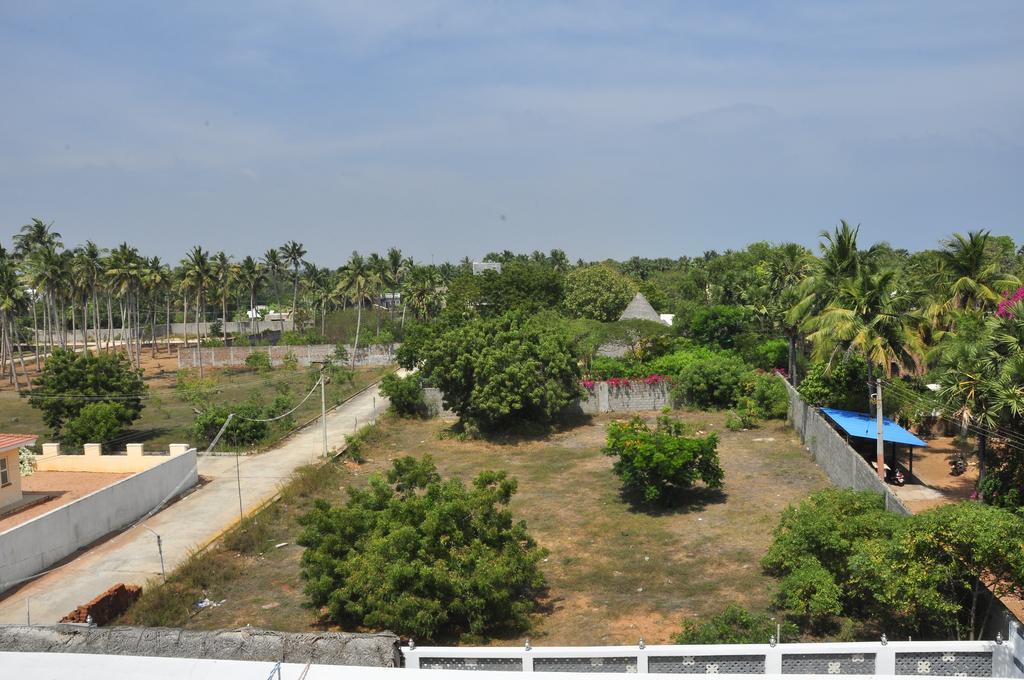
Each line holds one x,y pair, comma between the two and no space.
619,383
1003,311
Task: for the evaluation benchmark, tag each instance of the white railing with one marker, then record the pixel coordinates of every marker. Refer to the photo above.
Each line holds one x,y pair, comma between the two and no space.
999,658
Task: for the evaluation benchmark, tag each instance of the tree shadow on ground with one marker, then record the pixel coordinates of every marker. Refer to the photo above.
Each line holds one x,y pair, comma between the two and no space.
518,431
682,502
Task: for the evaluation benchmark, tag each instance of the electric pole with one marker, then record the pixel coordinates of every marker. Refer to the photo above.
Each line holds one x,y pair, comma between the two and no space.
880,443
323,402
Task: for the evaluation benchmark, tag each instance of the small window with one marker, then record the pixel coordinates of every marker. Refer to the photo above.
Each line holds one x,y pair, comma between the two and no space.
4,477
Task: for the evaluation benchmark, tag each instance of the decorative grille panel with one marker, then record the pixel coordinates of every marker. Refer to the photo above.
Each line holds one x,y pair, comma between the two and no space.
829,664
977,664
463,664
739,663
595,664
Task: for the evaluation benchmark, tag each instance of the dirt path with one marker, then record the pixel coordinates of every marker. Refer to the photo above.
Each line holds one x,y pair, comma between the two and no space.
132,556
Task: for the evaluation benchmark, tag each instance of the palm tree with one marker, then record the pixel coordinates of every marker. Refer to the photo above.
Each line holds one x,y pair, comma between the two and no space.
124,274
197,275
871,317
293,253
380,271
969,277
158,280
222,270
396,269
355,282
274,268
421,292
251,275
12,303
321,286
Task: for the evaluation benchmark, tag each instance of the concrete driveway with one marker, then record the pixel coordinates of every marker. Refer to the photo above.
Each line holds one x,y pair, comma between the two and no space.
132,557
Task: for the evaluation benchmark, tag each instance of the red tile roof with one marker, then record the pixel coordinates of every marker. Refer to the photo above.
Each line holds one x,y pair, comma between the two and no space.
13,441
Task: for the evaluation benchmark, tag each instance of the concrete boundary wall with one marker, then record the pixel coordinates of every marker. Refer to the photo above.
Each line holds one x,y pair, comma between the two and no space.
249,644
305,355
39,543
174,329
601,398
844,466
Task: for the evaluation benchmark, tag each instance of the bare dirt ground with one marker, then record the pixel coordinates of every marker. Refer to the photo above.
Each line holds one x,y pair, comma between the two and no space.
932,469
615,572
65,487
158,371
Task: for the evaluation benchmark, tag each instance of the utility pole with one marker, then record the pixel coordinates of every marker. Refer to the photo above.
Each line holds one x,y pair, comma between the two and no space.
879,443
323,402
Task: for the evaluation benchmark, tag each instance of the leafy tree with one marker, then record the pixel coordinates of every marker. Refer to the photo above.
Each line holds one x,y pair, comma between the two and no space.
836,384
719,325
97,422
71,381
259,361
734,626
660,463
527,287
241,431
494,371
767,395
703,377
597,292
423,557
405,394
931,577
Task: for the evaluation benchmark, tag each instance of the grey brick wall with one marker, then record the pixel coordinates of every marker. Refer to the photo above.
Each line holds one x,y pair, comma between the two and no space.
188,357
844,466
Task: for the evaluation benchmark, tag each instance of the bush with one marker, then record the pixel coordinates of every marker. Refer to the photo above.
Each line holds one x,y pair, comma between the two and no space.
259,361
734,626
421,556
719,325
290,362
840,384
97,422
70,381
406,394
811,592
767,395
767,354
741,418
240,432
597,292
660,463
702,377
295,338
494,372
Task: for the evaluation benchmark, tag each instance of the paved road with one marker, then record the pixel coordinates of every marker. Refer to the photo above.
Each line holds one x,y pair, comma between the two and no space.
194,521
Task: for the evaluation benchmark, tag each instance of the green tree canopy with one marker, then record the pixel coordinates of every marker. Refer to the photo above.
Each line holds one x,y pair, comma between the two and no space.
493,371
70,381
597,292
423,557
660,463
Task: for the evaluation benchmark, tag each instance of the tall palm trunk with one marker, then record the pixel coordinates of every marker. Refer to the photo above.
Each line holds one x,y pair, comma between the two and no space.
167,319
199,344
110,322
359,324
252,309
35,330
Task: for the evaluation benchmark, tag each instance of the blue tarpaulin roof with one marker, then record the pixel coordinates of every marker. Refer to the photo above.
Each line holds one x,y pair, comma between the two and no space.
864,425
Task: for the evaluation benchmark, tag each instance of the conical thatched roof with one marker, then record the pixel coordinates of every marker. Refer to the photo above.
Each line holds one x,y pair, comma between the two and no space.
640,308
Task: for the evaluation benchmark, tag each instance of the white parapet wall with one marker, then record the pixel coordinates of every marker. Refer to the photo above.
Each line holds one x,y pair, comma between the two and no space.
30,548
92,458
987,659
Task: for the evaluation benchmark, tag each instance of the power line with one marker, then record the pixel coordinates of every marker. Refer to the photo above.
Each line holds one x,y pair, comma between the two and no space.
938,408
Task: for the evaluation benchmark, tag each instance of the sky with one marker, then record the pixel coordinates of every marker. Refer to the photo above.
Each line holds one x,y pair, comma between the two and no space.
458,127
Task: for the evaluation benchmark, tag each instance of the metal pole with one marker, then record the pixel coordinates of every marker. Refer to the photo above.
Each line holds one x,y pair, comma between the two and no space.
160,549
323,409
28,611
238,479
879,442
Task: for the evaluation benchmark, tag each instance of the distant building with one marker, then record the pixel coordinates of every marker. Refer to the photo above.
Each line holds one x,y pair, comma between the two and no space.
481,267
10,470
640,308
